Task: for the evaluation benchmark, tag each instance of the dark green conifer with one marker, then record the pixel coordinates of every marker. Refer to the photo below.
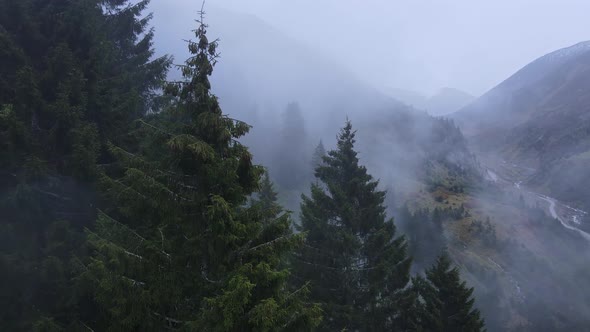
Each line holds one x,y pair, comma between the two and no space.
291,163
267,196
357,266
448,304
72,75
184,250
318,155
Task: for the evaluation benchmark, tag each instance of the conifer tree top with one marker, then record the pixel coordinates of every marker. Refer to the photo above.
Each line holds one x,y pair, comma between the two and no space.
351,249
451,298
346,141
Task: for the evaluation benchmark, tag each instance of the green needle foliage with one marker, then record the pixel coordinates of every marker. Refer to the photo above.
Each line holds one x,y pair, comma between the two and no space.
318,155
71,74
184,249
267,196
447,303
357,266
125,210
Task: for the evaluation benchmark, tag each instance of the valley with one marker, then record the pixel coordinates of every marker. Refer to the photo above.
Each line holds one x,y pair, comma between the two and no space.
374,168
499,158
536,247
518,243
536,122
511,178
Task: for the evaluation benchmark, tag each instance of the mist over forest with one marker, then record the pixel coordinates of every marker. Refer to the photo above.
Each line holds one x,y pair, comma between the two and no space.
294,166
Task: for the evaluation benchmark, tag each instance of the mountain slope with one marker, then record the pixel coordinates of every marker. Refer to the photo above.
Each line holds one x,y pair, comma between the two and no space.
443,102
408,97
525,93
448,100
416,157
540,118
261,69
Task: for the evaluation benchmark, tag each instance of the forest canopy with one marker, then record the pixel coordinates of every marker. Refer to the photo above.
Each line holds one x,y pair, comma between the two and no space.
130,203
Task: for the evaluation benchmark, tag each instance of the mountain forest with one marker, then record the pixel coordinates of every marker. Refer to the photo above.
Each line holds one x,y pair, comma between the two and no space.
209,190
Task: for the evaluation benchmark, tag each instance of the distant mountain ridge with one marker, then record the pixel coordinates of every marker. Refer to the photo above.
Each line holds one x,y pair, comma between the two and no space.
515,96
445,101
540,67
261,69
540,117
414,155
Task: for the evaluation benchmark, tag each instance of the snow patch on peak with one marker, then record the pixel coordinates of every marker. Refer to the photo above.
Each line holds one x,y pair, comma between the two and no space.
568,52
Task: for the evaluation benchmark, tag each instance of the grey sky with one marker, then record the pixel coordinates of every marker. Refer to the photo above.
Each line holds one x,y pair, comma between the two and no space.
420,45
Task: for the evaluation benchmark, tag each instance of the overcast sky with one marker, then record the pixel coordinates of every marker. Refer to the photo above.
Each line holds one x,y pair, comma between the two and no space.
420,45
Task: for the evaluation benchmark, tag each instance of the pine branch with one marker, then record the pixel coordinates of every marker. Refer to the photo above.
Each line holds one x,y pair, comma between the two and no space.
54,195
162,251
358,268
204,275
162,247
168,319
10,174
121,224
178,82
133,281
269,243
86,326
297,291
236,120
132,254
117,246
71,214
321,252
142,165
170,192
317,265
291,320
243,250
126,187
202,12
156,128
158,170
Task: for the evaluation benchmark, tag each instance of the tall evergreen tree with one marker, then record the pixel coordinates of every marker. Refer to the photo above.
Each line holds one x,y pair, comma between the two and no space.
425,235
357,266
447,303
184,250
267,196
292,153
71,73
318,155
130,65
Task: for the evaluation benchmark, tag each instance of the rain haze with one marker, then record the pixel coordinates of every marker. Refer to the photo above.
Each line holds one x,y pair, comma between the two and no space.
302,165
419,45
295,70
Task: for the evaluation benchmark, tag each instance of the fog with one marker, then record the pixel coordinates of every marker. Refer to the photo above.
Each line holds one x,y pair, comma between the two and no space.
130,201
414,45
297,70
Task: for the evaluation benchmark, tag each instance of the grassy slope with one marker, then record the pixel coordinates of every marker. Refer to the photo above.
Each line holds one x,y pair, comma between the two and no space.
528,278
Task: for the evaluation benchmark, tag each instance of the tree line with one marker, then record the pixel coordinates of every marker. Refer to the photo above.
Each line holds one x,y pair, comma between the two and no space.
128,203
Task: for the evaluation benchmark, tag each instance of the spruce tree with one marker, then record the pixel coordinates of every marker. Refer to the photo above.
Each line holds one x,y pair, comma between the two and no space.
267,196
425,235
184,250
318,155
72,74
292,152
357,266
447,302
